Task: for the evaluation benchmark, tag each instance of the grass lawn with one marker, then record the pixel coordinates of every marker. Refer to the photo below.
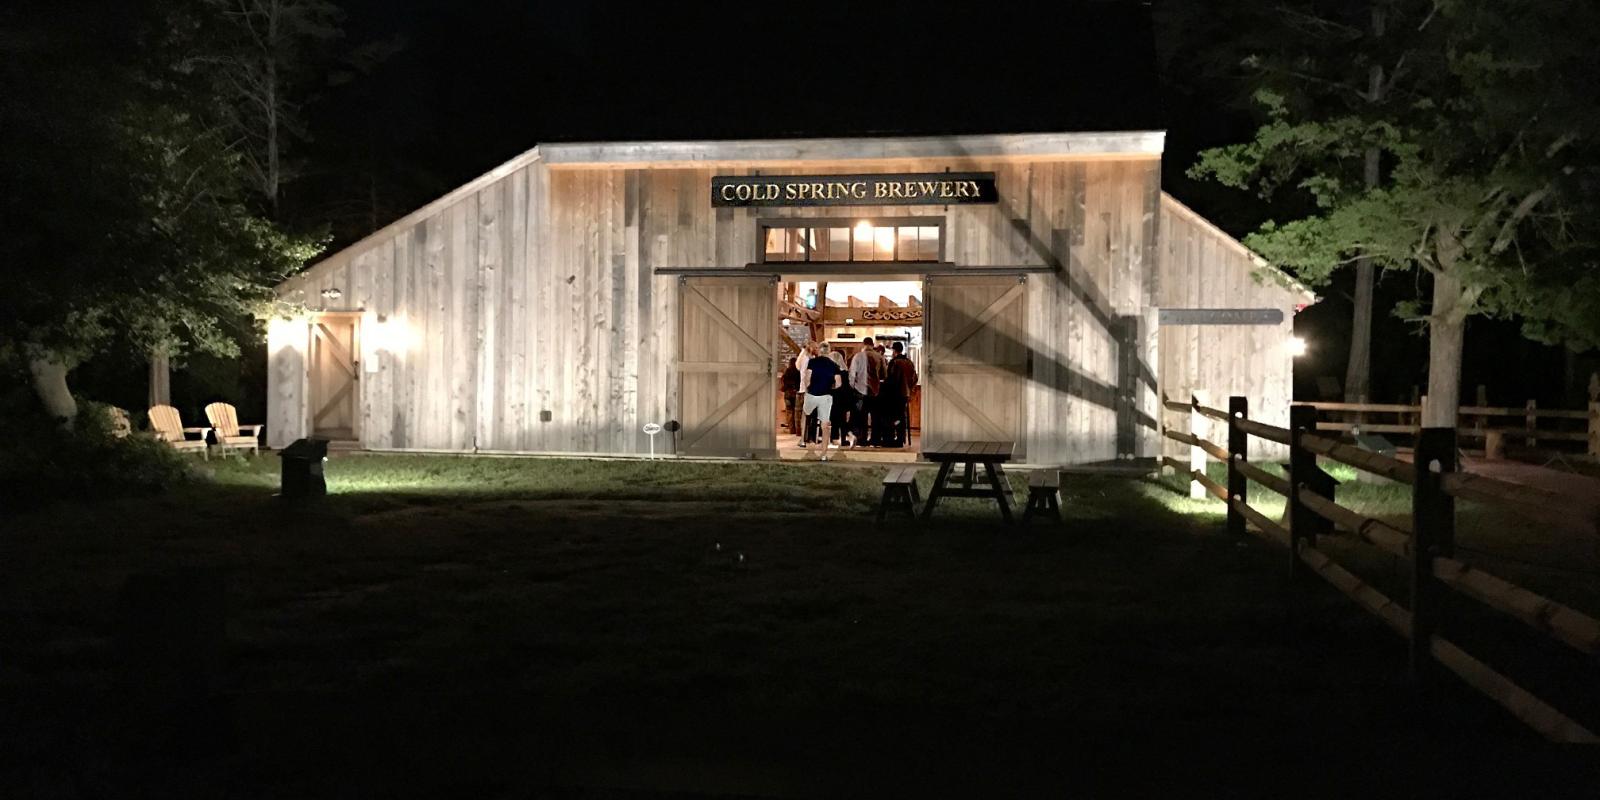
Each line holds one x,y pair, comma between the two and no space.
482,627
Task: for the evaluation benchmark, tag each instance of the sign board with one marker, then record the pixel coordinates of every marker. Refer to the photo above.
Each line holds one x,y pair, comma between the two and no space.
794,337
1220,316
903,189
907,316
872,315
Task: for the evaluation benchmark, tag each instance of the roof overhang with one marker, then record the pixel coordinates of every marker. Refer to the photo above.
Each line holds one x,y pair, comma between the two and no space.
790,152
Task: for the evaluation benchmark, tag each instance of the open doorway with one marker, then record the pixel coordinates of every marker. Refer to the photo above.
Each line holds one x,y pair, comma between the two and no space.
836,319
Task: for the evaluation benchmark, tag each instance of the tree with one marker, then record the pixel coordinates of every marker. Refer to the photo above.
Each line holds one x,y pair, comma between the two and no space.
126,217
1337,63
265,53
1489,153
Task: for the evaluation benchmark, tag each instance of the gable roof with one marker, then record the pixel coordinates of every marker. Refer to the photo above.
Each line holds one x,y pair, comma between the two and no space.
1219,235
779,152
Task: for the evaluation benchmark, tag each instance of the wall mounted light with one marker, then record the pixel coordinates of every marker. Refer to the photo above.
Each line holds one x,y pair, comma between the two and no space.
1296,346
332,293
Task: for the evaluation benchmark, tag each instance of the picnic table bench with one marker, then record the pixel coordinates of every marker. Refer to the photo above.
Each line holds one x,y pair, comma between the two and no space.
1044,494
900,492
971,454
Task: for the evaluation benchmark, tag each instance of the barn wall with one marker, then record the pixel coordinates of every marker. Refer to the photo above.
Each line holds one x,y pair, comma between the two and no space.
537,292
1201,267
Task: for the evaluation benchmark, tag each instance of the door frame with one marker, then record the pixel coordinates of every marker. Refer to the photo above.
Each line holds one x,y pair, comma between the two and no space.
359,389
905,271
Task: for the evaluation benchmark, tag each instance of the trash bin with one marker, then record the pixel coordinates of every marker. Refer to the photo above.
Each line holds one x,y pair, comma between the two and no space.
302,469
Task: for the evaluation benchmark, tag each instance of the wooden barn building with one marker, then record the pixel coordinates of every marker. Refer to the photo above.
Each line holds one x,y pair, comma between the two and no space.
1048,288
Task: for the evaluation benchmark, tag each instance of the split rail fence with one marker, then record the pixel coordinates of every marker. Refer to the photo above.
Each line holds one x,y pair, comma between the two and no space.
1427,542
1493,425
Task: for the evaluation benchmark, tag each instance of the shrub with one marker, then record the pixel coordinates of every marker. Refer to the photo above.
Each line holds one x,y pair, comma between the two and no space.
40,463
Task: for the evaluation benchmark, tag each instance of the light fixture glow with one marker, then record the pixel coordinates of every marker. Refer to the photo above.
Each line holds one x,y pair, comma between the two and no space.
863,229
884,239
384,333
287,332
784,322
1296,346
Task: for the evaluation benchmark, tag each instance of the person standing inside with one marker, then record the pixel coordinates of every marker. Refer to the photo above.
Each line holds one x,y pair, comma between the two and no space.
791,404
902,382
820,378
808,423
842,401
867,370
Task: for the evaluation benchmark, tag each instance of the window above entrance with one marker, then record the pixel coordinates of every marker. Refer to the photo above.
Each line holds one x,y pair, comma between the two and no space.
905,239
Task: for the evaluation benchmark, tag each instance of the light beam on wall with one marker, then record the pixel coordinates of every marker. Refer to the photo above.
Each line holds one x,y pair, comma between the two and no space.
286,332
384,333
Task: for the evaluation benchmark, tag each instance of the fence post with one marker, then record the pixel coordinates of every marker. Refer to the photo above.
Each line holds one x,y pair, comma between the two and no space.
1480,423
1532,413
1197,457
1433,525
1302,420
1594,414
1238,451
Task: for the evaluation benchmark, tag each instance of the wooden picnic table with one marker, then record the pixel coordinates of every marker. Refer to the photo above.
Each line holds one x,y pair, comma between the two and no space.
970,454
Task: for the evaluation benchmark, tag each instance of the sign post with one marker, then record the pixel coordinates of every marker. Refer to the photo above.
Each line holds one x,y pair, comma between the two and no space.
651,429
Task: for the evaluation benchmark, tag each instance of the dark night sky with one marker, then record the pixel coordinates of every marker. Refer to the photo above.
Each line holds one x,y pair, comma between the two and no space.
481,81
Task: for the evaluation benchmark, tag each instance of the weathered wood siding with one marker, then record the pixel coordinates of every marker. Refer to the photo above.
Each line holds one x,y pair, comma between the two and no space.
536,295
1202,267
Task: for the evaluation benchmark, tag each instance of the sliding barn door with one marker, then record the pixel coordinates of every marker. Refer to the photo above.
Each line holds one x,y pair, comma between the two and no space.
725,366
335,377
976,359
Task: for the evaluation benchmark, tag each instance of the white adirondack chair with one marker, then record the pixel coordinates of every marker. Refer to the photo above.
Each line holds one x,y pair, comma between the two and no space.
168,427
121,426
230,434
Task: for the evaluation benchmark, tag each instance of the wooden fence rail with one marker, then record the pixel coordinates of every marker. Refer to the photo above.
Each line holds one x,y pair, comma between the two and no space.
1428,542
1475,421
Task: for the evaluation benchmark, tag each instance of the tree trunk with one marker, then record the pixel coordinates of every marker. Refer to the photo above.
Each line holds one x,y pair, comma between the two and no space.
160,378
272,109
49,372
1358,370
1447,325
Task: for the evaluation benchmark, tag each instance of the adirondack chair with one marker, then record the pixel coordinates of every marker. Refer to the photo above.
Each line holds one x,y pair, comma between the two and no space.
230,434
168,427
121,426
